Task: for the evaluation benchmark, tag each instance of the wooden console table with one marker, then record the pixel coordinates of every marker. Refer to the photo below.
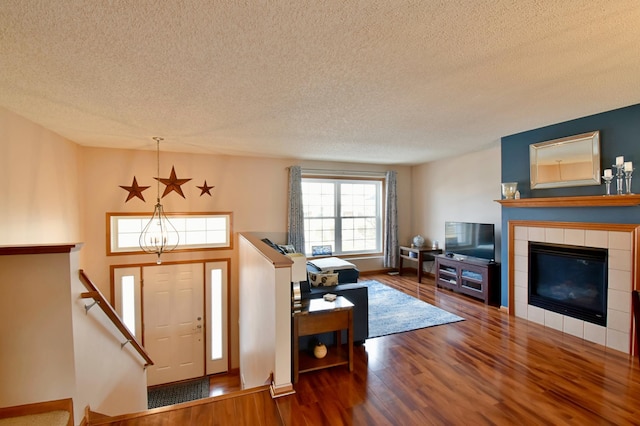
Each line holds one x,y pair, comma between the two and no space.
319,316
417,255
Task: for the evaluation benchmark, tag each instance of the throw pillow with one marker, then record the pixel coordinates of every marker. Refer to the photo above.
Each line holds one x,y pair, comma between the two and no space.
323,280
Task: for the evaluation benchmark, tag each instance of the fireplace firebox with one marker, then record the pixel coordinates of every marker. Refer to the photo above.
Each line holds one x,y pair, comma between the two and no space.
569,280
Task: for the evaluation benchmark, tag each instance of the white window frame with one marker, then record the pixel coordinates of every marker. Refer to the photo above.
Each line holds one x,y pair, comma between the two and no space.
198,231
379,215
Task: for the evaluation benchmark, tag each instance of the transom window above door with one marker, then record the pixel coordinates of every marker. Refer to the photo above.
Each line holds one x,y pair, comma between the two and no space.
197,231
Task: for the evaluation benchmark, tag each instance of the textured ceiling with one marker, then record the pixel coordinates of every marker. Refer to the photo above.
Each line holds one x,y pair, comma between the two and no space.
369,81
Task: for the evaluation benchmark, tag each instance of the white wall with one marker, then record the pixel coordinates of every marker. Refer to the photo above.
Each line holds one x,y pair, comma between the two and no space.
36,351
52,350
257,316
456,189
39,192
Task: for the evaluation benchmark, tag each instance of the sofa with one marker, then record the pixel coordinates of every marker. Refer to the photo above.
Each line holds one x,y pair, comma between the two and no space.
350,289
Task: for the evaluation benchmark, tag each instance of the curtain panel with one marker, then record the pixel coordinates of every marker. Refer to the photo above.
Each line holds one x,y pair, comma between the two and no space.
295,217
391,222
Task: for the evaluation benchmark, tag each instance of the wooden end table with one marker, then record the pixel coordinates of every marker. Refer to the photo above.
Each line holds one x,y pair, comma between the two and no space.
417,255
319,316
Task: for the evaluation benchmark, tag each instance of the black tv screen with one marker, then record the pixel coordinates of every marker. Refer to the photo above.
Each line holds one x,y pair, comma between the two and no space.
470,239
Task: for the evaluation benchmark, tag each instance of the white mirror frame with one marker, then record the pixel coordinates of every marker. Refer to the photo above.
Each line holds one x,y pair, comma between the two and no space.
580,155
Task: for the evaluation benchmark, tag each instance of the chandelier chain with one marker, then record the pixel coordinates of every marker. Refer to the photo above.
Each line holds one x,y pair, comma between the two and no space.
158,139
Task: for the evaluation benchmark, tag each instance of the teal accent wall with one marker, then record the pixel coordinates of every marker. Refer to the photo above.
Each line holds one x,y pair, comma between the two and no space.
619,135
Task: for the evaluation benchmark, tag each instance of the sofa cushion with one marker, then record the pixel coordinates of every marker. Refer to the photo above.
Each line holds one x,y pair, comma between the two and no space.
323,280
344,276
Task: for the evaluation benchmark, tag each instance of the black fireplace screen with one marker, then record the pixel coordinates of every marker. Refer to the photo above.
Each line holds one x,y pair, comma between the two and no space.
569,280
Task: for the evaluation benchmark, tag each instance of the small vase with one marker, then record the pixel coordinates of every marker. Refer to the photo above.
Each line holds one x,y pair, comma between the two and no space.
418,241
509,190
320,350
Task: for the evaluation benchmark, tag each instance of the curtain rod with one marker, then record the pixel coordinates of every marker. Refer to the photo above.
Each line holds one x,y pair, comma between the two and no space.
355,173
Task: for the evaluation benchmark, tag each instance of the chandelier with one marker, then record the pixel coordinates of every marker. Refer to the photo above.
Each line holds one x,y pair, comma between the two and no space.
159,235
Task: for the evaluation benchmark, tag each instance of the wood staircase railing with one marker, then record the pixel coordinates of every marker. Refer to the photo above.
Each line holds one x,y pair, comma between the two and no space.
96,295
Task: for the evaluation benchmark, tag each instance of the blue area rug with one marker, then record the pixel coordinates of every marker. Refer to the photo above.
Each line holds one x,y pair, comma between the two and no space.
176,393
392,311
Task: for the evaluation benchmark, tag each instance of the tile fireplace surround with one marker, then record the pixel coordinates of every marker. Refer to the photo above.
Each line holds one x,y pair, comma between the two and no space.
621,241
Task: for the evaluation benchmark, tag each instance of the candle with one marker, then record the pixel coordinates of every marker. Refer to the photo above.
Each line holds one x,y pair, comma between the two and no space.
619,160
628,166
607,173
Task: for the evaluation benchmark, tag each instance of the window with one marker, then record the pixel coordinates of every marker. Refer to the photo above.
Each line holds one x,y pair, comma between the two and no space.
196,231
129,303
216,314
217,290
343,213
127,298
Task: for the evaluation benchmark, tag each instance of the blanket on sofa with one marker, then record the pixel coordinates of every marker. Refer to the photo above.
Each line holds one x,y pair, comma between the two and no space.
326,264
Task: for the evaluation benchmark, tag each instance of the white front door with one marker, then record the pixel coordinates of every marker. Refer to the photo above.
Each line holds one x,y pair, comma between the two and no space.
173,312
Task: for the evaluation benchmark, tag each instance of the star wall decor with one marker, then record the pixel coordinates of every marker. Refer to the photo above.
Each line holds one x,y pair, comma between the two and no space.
206,189
172,183
134,190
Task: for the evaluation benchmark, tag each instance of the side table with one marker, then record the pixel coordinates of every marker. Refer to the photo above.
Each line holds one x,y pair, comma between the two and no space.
319,316
417,255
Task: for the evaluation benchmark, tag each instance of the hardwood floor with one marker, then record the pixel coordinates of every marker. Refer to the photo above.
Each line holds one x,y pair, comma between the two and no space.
248,407
490,369
223,384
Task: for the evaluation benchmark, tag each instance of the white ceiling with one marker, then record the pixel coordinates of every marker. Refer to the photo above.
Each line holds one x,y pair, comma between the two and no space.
388,82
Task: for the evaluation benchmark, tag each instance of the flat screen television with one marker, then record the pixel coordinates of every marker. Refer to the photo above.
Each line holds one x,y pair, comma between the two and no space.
470,239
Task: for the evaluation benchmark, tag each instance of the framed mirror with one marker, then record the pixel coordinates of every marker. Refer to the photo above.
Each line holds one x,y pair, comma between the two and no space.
570,161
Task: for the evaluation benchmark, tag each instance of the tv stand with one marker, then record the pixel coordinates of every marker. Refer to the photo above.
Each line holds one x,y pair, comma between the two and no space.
474,277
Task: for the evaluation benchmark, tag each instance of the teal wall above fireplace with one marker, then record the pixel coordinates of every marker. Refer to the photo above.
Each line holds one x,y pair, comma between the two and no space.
619,135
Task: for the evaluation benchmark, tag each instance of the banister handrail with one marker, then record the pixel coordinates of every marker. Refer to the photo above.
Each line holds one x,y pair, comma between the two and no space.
99,299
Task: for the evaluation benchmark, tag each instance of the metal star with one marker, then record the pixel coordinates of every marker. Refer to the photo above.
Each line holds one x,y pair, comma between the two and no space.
173,183
206,189
134,190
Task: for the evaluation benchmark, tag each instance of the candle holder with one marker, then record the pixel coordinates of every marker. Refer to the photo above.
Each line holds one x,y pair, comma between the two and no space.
619,176
607,182
627,178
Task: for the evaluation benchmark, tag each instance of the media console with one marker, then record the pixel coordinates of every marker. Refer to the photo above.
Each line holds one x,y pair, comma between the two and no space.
474,277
